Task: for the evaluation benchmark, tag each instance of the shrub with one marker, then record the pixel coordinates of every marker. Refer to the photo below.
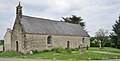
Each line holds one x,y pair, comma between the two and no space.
34,51
1,42
46,50
94,42
94,45
58,50
107,45
1,51
113,45
69,50
87,47
74,49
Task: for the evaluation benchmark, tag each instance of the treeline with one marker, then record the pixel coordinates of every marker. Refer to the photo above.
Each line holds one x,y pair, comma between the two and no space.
1,42
101,39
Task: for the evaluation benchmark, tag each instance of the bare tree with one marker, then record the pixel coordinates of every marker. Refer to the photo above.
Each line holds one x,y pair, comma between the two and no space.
101,35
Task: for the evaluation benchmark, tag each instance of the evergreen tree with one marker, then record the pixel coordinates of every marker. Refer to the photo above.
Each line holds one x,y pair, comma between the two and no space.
115,36
75,20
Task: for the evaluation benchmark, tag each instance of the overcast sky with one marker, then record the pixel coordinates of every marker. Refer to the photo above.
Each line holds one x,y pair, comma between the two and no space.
96,13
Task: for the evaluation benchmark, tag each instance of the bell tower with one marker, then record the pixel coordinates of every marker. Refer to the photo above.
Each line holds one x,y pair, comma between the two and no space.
19,10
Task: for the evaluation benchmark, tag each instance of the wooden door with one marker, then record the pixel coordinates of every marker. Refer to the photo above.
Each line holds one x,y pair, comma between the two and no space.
68,44
17,46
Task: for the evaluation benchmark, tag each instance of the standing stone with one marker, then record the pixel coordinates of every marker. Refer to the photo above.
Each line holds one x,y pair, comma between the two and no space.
81,48
100,44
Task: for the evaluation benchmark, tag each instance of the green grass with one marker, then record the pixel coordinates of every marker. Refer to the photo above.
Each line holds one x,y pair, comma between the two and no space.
107,49
75,55
10,54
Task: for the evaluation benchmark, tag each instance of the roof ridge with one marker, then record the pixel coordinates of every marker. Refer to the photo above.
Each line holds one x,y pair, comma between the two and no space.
49,19
40,18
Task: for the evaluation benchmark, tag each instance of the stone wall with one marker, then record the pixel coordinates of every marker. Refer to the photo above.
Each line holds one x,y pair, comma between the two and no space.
17,35
39,42
35,42
61,41
7,40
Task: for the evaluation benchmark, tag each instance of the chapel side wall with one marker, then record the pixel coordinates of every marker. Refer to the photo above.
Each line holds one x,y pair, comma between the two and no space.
35,42
39,42
61,41
87,41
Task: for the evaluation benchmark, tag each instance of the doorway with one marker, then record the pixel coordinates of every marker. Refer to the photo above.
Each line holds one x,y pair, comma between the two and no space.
17,46
68,44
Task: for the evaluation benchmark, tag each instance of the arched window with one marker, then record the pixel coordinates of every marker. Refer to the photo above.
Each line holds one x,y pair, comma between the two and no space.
83,40
49,40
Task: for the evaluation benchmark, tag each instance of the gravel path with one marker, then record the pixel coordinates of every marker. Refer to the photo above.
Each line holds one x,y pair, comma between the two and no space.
106,52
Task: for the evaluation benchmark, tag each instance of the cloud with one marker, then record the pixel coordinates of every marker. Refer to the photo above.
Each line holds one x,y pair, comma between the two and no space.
96,13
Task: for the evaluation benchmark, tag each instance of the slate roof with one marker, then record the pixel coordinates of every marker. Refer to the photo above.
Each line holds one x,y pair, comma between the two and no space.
51,27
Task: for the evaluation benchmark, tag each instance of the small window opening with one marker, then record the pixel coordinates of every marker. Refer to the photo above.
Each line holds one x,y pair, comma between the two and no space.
49,40
83,40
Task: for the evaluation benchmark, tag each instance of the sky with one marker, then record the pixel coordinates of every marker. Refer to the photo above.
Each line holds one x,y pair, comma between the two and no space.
97,14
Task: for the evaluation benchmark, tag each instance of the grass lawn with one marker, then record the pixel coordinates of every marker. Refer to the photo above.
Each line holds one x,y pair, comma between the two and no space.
10,54
75,55
107,49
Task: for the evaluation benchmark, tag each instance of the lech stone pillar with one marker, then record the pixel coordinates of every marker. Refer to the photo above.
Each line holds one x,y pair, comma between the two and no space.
81,48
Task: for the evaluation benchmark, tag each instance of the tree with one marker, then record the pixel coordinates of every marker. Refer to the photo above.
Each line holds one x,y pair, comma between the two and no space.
94,42
107,42
101,35
115,36
75,20
1,42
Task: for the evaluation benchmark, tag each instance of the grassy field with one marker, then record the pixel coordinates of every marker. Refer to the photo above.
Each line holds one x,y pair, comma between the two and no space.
107,49
75,55
10,54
